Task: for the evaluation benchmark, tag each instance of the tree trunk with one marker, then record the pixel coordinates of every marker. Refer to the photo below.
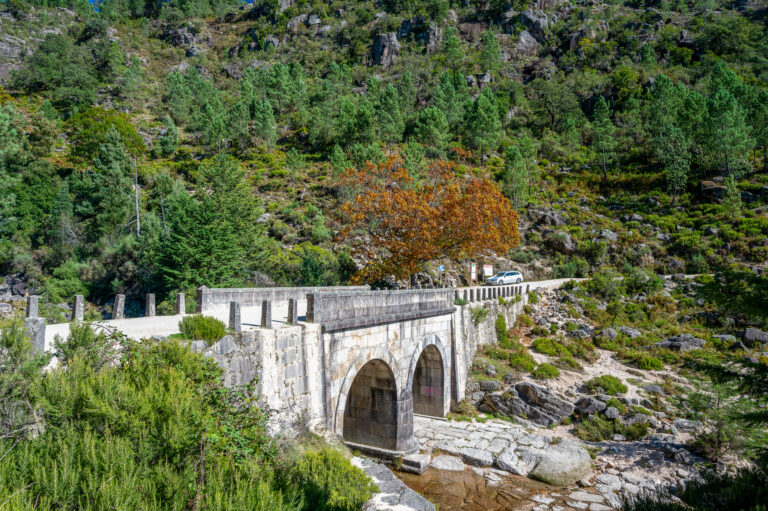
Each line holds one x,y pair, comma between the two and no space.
136,195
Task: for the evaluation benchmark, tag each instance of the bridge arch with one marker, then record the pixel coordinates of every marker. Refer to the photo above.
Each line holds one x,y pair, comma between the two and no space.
429,378
371,410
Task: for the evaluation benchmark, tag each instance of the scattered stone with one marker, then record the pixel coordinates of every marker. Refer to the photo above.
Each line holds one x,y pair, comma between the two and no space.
476,457
632,333
445,462
582,496
654,389
488,385
610,334
686,425
589,405
754,336
611,413
682,342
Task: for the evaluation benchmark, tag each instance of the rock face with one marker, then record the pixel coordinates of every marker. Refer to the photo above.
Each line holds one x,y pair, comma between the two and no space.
589,405
558,464
537,23
181,36
527,43
754,336
393,493
385,49
536,403
561,241
682,342
418,29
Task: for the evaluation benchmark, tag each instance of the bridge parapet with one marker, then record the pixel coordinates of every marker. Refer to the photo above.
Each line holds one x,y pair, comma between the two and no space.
355,309
213,298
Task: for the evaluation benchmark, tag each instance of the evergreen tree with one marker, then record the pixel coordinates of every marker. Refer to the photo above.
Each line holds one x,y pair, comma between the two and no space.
454,54
514,178
484,123
407,90
264,123
490,56
414,159
346,121
432,128
338,160
647,56
168,141
603,142
732,200
728,139
365,123
238,124
672,150
529,148
178,97
389,117
111,190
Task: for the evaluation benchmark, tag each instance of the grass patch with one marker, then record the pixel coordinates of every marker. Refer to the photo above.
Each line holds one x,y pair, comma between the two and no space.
597,429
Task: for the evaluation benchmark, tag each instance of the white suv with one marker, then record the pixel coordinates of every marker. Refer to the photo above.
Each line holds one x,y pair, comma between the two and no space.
505,277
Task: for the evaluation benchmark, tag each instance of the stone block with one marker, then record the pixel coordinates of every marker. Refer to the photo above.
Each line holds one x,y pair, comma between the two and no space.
181,303
118,308
149,305
311,308
266,314
33,306
78,308
293,311
235,317
36,330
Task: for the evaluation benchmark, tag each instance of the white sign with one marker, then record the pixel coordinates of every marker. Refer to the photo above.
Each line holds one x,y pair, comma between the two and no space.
474,271
488,270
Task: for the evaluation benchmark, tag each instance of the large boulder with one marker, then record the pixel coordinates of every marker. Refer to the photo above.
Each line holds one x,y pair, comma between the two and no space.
180,36
385,49
754,336
525,399
295,22
558,464
632,333
419,29
536,22
682,342
589,405
526,43
561,242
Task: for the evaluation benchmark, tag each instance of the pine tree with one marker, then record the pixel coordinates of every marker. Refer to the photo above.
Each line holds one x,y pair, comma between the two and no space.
490,56
484,123
603,142
389,117
264,123
454,54
346,121
407,90
238,124
732,200
365,123
432,128
169,140
672,149
529,148
514,178
338,160
728,139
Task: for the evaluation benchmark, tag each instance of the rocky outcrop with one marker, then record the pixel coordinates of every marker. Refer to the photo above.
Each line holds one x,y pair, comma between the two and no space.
682,342
526,43
525,399
393,493
419,29
559,464
385,49
753,336
180,36
536,22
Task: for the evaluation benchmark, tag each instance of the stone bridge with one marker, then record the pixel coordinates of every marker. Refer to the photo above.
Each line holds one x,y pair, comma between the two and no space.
361,362
357,362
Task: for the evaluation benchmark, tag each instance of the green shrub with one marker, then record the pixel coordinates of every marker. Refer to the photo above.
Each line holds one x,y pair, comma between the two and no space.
642,360
521,361
621,407
608,384
546,346
533,298
501,329
478,315
545,372
330,483
96,348
202,327
523,320
460,302
597,429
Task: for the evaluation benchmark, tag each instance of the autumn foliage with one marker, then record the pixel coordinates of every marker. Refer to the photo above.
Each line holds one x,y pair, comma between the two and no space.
398,224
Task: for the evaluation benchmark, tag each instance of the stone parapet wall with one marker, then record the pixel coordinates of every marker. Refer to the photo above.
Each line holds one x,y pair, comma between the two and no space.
212,298
345,310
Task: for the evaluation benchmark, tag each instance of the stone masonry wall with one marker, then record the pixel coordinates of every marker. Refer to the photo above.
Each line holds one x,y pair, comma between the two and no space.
211,298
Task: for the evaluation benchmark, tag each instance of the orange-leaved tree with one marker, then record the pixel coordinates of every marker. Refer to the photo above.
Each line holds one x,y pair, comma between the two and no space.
397,224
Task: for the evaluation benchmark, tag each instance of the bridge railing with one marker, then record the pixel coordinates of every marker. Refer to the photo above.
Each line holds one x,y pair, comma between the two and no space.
342,310
482,293
213,298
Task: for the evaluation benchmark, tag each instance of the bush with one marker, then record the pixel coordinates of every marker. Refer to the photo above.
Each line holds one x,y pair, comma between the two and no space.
202,327
547,346
330,483
621,407
642,360
597,429
523,320
478,315
521,361
607,383
545,372
533,298
501,329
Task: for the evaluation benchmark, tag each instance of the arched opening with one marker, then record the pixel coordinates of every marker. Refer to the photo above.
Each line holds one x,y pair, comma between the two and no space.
370,416
428,383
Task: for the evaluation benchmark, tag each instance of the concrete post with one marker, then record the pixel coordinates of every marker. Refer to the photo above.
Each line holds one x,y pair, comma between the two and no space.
471,295
465,295
266,314
235,318
293,311
33,306
310,308
118,308
78,308
36,330
527,288
149,305
181,304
